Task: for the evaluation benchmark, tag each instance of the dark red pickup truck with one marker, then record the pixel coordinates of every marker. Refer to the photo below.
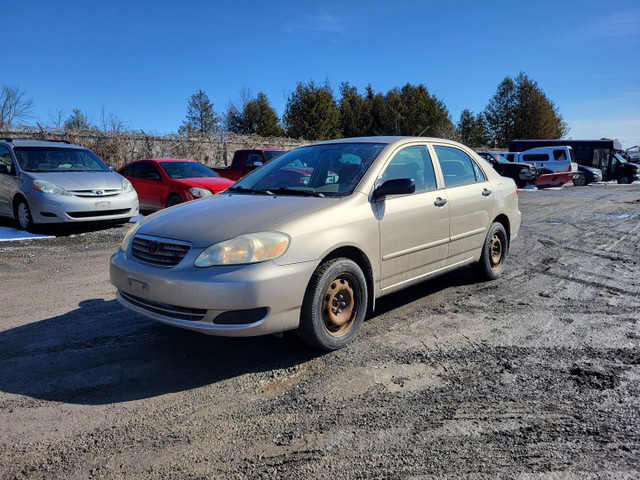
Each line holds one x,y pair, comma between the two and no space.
246,160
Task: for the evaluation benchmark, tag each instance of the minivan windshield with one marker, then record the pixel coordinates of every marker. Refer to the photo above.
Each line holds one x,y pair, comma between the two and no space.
58,159
321,170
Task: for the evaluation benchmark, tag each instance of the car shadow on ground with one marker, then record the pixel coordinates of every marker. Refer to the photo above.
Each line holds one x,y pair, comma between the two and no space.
101,353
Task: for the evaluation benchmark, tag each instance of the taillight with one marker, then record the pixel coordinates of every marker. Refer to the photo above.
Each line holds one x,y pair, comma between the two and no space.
517,192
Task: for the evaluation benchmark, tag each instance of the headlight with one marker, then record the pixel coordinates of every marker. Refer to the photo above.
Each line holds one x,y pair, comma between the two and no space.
200,192
128,237
50,188
250,248
126,186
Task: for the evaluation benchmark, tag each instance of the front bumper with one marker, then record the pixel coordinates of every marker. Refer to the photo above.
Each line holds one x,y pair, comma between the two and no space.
196,298
69,209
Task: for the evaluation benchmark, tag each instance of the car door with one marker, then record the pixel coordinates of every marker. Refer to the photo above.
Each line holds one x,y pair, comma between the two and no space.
9,183
470,202
149,185
414,228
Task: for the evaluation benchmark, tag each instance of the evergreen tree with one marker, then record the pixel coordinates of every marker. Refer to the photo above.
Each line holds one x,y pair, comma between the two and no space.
472,130
256,117
536,116
378,113
77,121
500,114
355,117
311,113
520,109
201,118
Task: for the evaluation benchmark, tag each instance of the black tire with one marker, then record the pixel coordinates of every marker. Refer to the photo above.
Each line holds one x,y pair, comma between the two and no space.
580,180
494,253
625,180
22,214
334,305
173,199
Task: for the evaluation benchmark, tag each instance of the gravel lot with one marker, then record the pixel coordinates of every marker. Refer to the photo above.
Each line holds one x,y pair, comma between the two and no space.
536,375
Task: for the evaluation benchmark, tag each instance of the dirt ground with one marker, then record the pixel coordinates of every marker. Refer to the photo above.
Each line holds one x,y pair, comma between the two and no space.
536,375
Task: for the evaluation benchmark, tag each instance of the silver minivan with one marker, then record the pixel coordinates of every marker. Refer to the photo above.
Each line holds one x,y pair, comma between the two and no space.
54,182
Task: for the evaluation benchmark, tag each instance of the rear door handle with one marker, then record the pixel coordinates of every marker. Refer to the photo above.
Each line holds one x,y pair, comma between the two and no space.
440,202
486,192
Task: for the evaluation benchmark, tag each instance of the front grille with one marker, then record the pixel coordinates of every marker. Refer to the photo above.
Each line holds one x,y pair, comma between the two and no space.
98,213
159,251
96,192
165,309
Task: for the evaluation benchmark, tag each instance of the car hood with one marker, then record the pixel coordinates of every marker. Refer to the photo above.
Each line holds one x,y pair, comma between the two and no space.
80,180
210,183
225,216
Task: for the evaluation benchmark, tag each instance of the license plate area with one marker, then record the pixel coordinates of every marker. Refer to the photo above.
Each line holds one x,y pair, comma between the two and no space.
103,205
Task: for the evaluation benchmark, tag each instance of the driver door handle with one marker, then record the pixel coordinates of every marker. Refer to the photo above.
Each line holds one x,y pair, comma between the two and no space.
486,192
440,202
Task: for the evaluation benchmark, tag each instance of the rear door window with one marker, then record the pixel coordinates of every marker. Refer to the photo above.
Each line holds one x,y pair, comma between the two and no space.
458,168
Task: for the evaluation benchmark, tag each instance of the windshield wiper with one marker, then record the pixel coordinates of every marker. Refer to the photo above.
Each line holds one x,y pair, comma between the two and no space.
250,191
304,193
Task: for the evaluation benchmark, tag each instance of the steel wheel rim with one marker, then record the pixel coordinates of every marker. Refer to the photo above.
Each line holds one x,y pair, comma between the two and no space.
339,308
495,252
23,215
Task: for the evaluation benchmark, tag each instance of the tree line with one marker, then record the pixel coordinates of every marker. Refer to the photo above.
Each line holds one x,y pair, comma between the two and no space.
518,109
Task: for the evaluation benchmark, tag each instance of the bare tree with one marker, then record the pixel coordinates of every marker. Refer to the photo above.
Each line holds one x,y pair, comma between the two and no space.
110,123
14,106
56,119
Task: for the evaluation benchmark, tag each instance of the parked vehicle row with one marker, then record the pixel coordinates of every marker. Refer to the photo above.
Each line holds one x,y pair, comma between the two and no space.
521,173
246,160
164,182
603,154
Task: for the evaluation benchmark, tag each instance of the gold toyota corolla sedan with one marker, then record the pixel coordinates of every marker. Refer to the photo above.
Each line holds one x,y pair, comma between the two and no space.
308,241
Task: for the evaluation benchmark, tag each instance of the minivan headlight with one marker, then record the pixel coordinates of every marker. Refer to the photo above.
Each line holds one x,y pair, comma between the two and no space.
49,188
244,249
126,186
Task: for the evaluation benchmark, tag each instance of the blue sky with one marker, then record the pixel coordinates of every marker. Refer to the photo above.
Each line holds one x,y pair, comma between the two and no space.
142,61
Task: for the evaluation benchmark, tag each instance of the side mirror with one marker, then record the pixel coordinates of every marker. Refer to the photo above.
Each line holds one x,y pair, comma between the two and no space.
4,169
112,168
395,186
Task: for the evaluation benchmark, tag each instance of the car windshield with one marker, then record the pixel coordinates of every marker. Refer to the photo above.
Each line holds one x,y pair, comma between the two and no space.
271,154
619,158
58,159
176,170
320,170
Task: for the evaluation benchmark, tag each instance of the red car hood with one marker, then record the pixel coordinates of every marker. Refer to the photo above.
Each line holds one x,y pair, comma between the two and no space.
215,184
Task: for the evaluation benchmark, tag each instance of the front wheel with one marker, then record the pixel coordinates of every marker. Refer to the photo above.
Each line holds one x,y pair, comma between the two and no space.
173,200
334,305
23,215
580,180
494,253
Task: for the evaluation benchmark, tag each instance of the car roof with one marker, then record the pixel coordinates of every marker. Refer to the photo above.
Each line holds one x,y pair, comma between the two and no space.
39,143
386,140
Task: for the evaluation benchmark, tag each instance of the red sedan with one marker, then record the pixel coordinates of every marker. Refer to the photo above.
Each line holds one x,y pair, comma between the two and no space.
163,182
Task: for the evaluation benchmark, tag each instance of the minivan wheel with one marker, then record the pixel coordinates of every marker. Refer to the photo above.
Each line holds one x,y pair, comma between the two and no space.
334,305
624,180
580,180
494,253
23,215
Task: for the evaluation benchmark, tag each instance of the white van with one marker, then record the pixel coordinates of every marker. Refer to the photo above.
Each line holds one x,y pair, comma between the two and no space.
546,159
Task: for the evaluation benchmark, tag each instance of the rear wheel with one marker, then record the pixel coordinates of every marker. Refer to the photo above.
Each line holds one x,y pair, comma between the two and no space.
580,180
624,179
173,199
334,305
23,215
494,253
